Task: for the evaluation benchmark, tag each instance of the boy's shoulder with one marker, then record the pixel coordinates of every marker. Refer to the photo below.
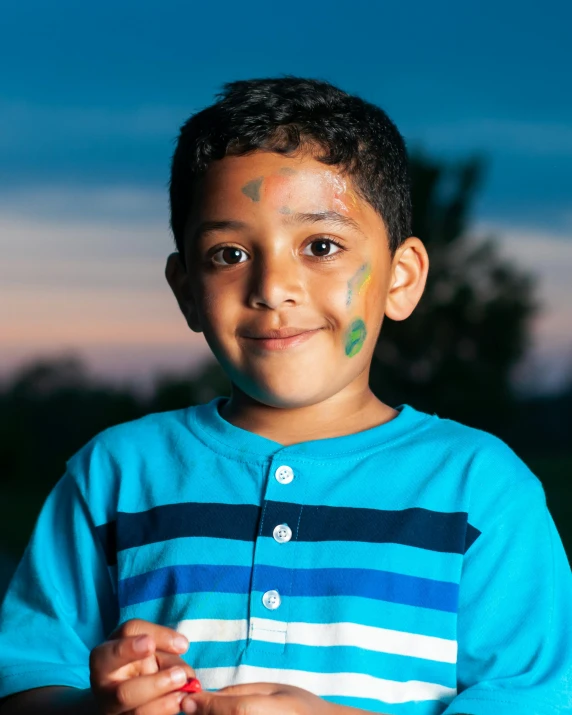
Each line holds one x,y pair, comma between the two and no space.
487,468
126,445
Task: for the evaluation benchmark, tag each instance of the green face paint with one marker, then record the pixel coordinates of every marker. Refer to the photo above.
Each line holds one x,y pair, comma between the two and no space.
252,189
355,337
358,282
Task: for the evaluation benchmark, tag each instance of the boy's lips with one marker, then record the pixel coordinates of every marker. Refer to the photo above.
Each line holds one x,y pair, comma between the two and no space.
279,339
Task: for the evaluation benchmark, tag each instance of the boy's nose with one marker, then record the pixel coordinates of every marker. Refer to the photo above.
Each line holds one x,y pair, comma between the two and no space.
275,283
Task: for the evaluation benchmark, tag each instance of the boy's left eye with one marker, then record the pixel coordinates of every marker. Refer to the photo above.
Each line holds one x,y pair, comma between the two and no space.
322,247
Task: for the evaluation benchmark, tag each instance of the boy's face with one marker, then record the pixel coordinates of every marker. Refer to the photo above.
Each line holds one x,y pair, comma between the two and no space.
288,275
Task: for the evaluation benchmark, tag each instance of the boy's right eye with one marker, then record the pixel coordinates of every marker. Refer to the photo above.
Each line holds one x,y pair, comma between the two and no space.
229,256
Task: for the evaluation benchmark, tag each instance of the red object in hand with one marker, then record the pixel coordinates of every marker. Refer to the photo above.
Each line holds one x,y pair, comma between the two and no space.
193,685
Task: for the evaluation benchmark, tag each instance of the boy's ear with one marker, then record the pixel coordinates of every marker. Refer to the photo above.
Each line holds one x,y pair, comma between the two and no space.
408,278
178,278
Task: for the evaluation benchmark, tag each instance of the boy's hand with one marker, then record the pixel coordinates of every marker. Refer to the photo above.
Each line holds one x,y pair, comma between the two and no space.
260,699
133,670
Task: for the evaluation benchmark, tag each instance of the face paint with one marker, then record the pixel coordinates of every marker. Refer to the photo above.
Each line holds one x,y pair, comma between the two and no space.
339,186
278,189
355,337
287,171
252,189
359,282
284,210
352,198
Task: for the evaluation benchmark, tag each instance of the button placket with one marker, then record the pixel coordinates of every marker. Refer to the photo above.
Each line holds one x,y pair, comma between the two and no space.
271,602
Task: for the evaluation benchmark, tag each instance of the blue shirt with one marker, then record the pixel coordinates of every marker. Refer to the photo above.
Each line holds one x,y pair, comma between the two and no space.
412,568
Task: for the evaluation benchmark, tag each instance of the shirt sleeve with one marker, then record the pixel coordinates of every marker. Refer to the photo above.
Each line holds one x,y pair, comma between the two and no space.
60,603
515,612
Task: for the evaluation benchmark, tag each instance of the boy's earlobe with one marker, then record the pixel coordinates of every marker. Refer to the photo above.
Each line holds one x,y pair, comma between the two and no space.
178,279
409,276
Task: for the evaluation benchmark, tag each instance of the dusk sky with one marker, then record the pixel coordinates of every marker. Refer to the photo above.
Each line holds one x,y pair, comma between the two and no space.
92,95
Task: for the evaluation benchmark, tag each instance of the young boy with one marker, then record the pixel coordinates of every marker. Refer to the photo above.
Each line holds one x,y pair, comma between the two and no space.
320,552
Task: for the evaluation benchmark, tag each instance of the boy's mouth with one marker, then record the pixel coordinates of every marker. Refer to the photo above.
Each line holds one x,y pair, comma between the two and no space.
279,339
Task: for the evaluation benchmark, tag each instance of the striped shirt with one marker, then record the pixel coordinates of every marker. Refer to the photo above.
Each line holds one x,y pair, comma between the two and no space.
412,568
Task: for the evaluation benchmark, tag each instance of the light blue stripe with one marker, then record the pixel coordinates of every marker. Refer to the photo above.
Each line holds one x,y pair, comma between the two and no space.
215,654
407,560
183,606
419,707
185,551
339,659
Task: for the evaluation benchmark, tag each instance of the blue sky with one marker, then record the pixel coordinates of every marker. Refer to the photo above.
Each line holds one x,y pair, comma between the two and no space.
91,97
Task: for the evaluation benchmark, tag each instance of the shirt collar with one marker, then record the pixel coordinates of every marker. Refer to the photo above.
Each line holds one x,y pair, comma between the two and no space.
206,422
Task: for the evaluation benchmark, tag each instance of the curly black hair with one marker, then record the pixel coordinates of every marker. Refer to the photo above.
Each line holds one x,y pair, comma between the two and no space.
284,115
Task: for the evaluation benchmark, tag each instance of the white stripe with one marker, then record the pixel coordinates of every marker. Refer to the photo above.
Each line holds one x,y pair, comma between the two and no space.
353,685
381,640
213,629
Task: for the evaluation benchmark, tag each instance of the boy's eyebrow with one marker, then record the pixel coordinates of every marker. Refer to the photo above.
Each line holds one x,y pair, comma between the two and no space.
330,216
296,218
227,225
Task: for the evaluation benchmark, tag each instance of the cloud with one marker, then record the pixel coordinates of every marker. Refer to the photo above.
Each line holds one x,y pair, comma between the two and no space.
90,205
82,224
95,288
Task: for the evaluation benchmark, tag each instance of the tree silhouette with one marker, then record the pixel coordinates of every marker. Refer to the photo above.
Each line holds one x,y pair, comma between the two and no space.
454,354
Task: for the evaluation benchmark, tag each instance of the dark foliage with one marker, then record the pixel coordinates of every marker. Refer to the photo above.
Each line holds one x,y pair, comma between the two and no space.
454,355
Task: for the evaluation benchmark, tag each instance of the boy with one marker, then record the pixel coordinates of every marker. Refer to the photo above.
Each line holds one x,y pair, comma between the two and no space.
319,551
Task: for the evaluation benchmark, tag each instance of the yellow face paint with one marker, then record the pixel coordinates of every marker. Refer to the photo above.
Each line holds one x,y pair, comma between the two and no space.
359,282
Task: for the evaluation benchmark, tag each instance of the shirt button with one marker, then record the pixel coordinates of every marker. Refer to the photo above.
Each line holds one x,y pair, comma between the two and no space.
282,533
284,474
271,600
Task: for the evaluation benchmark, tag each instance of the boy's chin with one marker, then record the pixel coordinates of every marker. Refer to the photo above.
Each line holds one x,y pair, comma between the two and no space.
288,397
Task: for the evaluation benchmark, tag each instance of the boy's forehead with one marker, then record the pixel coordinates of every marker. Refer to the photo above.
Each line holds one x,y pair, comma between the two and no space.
262,177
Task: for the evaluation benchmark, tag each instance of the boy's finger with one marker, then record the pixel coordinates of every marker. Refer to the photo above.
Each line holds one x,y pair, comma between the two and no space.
250,689
165,638
169,660
139,692
113,655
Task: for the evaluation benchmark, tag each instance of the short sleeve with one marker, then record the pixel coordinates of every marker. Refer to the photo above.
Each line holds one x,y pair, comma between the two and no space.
60,603
515,612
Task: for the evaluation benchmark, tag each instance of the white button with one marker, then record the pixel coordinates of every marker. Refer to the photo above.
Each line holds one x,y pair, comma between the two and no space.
271,600
282,533
284,474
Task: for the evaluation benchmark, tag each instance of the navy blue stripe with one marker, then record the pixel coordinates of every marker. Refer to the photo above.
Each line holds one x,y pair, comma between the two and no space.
426,529
367,583
422,528
172,521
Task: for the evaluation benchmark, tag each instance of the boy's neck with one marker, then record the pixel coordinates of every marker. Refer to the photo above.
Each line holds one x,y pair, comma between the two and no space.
345,413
